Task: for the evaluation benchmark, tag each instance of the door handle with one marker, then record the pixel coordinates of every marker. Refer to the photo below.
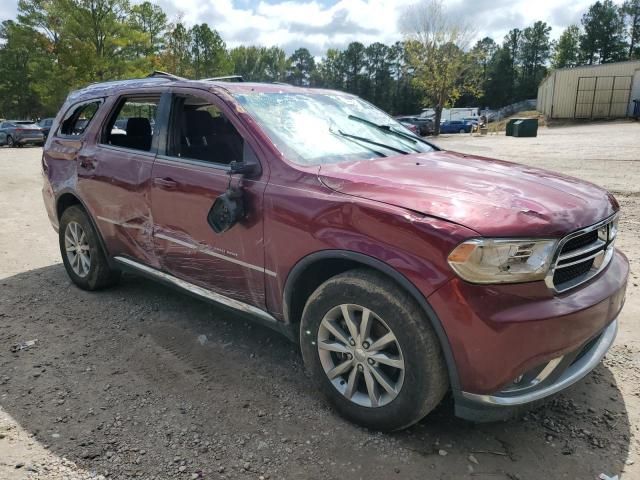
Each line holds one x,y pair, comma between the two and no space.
166,183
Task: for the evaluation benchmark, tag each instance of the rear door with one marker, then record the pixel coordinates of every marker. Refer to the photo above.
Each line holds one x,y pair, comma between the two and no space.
203,138
114,171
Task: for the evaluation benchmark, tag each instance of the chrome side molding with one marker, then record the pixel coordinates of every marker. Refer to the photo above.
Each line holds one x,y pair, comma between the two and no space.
198,291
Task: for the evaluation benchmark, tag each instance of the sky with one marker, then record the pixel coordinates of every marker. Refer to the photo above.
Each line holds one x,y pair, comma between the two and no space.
321,24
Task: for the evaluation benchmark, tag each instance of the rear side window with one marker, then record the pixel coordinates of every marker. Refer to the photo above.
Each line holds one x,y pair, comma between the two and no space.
133,123
78,118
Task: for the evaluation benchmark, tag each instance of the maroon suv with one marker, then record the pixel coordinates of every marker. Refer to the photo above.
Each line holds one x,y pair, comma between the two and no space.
404,271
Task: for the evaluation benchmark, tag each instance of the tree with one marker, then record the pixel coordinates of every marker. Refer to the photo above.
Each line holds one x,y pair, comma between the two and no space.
354,62
513,43
501,78
209,52
43,16
301,67
566,51
435,48
603,37
534,52
331,70
22,50
378,70
483,52
631,11
177,55
97,31
274,62
151,20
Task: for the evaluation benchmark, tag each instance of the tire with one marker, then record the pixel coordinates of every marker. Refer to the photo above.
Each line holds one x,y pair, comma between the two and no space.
10,142
462,130
76,231
419,378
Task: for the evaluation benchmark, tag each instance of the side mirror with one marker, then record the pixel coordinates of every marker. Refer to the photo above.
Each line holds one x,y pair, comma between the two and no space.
226,211
242,168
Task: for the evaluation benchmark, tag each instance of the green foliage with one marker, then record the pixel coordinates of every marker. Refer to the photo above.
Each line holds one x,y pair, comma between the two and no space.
55,46
631,12
501,79
302,67
535,50
603,40
208,52
566,51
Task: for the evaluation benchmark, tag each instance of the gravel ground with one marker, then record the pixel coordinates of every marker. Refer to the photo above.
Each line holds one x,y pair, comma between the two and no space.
142,382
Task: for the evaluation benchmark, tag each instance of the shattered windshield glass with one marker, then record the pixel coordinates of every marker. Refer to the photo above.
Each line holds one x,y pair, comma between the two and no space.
318,128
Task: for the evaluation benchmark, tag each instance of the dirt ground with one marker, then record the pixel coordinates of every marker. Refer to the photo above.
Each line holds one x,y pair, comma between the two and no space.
142,382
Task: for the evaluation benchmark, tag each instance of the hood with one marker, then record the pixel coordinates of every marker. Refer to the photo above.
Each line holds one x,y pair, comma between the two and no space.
492,197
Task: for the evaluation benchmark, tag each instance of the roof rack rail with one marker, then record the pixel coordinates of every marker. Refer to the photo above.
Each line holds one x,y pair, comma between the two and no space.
161,74
283,83
227,78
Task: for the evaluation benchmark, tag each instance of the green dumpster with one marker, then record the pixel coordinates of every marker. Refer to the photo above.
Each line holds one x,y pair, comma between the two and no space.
509,127
526,127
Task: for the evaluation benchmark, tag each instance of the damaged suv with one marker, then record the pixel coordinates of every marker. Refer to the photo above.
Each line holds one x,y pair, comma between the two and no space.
404,271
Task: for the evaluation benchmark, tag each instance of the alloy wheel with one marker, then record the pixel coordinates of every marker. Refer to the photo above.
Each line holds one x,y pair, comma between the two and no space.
77,248
361,355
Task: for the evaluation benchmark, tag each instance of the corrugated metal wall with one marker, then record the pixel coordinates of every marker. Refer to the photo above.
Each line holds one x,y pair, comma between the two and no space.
599,91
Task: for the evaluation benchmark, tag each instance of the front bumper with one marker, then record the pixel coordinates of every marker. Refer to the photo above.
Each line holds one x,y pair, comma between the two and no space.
558,375
517,344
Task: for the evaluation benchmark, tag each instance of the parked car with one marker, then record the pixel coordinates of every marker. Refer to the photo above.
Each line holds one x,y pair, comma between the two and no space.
18,133
402,270
45,126
456,126
411,127
423,124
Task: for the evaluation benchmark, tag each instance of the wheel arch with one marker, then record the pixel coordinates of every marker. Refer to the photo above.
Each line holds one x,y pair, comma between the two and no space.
67,198
314,269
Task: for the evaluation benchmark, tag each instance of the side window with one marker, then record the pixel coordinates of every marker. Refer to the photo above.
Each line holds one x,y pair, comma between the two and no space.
78,118
200,131
132,123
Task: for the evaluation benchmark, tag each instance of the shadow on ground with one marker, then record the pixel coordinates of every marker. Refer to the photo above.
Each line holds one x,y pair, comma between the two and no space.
142,381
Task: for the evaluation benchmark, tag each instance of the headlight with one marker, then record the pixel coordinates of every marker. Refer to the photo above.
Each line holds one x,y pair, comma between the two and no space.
486,260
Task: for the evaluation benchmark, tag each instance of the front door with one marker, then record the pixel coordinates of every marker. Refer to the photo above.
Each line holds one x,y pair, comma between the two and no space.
203,138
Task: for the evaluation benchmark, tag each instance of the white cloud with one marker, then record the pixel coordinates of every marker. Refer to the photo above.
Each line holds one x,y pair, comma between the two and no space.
321,24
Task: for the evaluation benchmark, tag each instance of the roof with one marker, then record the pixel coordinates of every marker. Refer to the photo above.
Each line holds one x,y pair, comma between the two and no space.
112,87
598,65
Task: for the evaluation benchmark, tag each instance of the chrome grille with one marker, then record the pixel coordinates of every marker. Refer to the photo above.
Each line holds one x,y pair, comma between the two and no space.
582,255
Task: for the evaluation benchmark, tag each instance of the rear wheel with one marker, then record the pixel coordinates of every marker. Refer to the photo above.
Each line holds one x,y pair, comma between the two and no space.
82,253
372,351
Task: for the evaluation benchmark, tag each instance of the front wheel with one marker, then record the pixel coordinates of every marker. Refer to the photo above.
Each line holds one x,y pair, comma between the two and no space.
82,253
10,142
462,130
370,348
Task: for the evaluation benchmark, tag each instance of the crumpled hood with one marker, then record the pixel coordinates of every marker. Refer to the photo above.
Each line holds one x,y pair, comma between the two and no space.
492,197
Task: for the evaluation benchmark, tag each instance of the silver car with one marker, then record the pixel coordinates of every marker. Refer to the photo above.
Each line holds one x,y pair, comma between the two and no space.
17,133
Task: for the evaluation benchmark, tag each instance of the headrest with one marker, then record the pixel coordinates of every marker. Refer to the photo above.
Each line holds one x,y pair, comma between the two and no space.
138,127
198,123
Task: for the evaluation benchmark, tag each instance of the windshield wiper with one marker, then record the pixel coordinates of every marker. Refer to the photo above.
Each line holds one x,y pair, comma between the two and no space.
372,142
388,130
357,142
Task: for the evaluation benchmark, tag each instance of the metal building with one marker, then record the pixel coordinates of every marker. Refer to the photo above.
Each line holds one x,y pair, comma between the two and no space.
591,92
